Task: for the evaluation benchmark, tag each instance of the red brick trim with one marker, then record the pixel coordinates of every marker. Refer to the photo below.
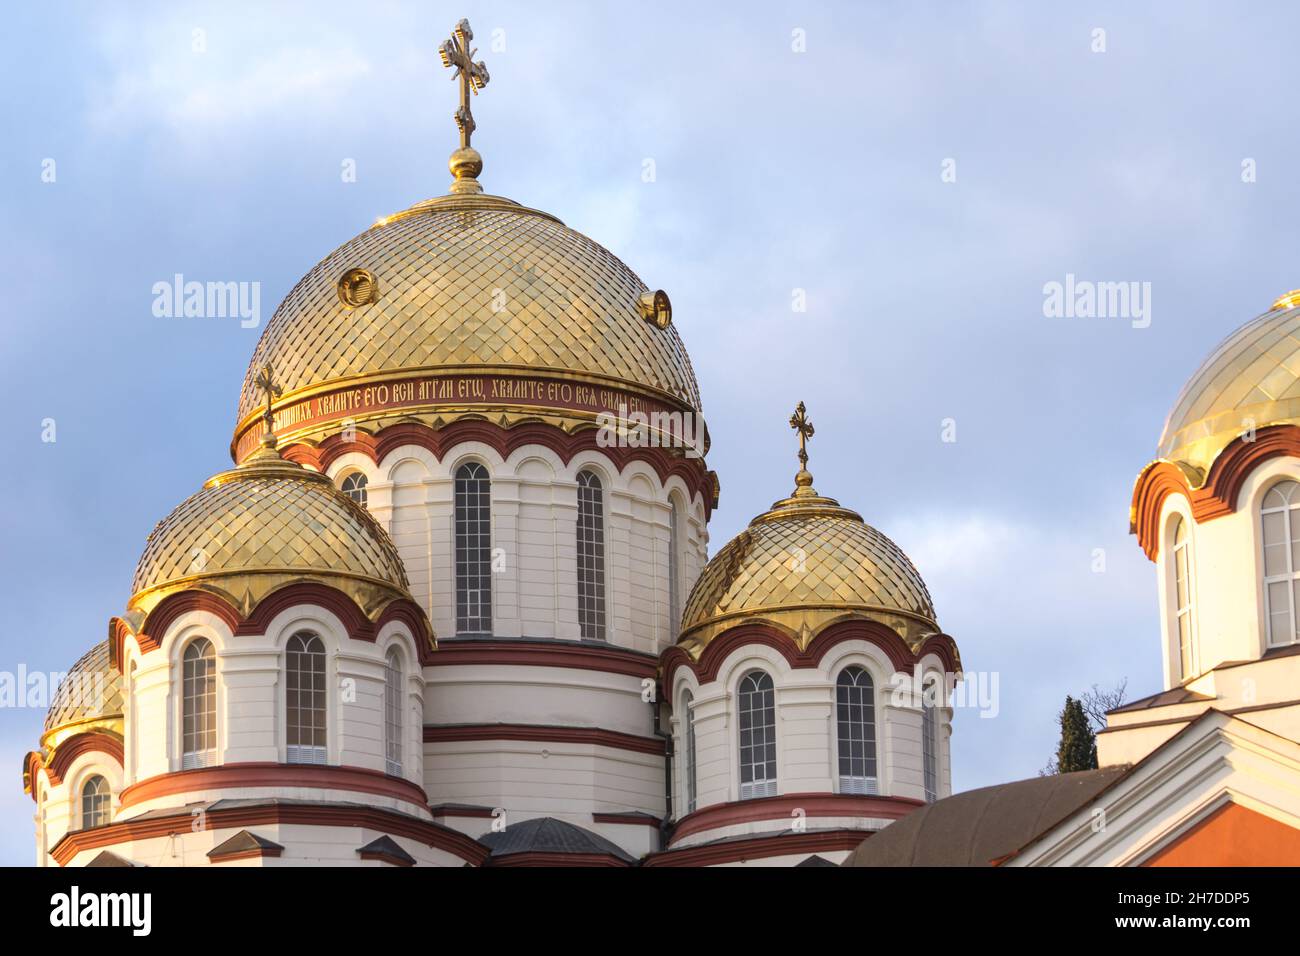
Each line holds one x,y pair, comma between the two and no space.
588,657
438,442
358,626
235,818
783,806
533,858
759,848
238,775
1222,487
544,733
95,741
715,653
627,819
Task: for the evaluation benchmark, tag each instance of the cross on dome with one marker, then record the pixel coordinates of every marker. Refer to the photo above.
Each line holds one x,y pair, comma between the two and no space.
801,423
457,54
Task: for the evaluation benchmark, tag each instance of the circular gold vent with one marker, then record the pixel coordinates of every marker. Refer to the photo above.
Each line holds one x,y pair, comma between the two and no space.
358,287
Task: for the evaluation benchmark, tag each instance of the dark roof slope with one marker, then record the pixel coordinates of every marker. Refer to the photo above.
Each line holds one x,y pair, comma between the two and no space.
548,835
978,827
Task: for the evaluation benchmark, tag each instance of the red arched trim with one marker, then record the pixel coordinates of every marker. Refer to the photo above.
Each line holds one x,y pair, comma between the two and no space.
94,741
783,806
392,822
1218,495
32,765
257,775
760,847
358,626
900,656
945,648
504,441
585,655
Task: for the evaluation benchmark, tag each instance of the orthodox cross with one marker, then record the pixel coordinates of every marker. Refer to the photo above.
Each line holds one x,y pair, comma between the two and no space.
800,423
265,382
473,76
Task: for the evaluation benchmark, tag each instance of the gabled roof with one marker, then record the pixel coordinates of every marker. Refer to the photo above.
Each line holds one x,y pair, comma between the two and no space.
387,850
979,827
243,844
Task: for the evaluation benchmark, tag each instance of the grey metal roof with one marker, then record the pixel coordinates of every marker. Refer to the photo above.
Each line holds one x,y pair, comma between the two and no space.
978,827
387,846
548,835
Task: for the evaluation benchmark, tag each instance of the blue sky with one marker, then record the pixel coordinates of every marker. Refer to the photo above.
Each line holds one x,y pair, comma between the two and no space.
776,170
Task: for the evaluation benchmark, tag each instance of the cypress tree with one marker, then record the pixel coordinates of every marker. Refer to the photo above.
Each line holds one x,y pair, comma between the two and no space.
1078,748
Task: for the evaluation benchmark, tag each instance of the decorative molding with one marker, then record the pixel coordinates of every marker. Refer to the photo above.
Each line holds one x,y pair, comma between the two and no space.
438,442
759,848
782,806
628,819
251,774
587,656
544,733
1218,494
535,858
96,741
380,820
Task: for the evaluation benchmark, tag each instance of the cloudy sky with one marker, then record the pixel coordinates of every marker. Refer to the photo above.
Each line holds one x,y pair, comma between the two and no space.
920,172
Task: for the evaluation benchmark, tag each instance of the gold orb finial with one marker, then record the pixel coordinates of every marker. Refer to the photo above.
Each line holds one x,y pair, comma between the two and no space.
457,54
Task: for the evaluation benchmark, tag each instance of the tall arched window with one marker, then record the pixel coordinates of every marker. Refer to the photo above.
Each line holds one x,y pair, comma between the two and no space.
198,705
393,707
1182,574
473,550
304,686
95,798
855,724
1281,528
689,771
354,486
591,557
757,706
674,570
930,740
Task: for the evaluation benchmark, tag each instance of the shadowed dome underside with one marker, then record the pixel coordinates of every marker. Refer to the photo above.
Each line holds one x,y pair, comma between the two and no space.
1251,379
472,283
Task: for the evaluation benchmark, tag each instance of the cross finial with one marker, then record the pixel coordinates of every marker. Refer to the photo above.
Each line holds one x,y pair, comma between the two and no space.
265,381
456,53
800,422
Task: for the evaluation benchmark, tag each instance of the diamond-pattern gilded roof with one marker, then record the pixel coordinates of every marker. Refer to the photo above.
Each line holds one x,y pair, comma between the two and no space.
260,517
92,688
1252,376
475,282
792,557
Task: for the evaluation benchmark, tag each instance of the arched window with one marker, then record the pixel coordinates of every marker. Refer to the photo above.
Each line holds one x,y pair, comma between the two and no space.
473,550
591,557
757,706
855,723
304,686
198,705
1281,527
674,570
930,740
354,486
1182,572
689,771
393,712
95,797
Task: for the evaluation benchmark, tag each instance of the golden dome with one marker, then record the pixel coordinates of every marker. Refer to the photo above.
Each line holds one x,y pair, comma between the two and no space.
463,285
262,525
803,564
1253,377
91,691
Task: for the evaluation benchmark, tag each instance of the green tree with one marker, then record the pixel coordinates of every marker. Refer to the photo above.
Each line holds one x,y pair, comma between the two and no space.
1078,747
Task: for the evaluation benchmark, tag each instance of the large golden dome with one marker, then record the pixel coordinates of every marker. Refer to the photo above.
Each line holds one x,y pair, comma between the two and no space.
803,564
91,691
1252,377
466,304
264,524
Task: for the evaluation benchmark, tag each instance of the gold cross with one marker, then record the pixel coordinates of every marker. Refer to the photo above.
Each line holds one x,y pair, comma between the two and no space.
800,423
473,76
266,382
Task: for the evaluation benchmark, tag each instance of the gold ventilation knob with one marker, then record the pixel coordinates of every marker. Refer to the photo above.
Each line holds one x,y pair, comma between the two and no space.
655,308
358,287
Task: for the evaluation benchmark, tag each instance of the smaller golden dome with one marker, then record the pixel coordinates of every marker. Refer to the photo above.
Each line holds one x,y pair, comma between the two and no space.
267,523
803,564
90,691
1251,379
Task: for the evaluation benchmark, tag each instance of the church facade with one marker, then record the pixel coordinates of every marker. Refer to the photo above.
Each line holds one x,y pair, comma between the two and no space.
452,604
